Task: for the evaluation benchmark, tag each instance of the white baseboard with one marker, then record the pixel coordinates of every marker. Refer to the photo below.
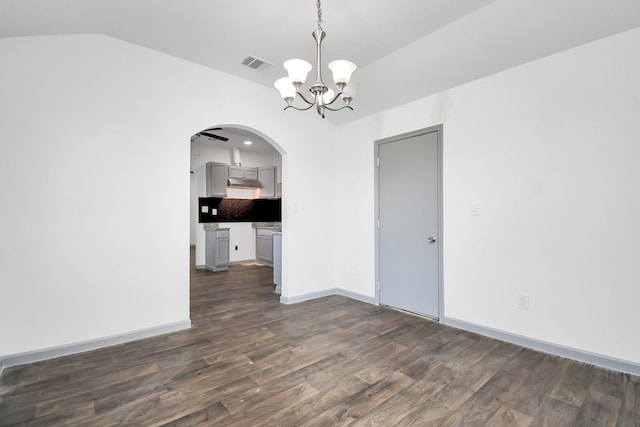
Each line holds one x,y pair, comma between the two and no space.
80,347
547,347
307,297
243,261
356,296
326,293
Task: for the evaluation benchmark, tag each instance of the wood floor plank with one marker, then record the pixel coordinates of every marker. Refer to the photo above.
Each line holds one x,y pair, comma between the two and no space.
392,411
574,384
630,397
300,410
599,409
203,417
340,378
261,408
609,382
249,360
363,402
489,402
537,385
429,414
507,417
433,380
473,354
380,365
553,413
502,386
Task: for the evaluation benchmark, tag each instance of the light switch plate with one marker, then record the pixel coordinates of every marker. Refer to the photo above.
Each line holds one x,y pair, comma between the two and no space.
475,208
523,301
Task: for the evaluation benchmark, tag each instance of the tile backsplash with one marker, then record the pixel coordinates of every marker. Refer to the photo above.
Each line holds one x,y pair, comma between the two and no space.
216,209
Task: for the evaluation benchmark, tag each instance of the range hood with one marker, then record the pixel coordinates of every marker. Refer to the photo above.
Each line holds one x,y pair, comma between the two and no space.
243,183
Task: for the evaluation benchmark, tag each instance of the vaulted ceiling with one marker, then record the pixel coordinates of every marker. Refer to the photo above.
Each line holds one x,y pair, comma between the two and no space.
405,49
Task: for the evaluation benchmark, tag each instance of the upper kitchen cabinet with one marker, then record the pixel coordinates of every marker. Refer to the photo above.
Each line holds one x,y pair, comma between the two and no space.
243,173
250,173
217,176
267,178
236,172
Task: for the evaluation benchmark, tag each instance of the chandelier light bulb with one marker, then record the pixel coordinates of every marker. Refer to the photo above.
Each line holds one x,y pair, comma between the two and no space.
286,88
342,71
328,96
298,70
350,90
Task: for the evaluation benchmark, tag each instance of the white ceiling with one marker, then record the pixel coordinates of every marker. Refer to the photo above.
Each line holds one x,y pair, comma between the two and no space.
405,49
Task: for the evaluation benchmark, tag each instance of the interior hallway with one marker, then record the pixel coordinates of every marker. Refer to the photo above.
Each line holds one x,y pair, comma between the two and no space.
250,361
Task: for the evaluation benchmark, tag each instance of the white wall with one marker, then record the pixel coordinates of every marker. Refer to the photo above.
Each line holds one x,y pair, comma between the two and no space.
550,149
94,179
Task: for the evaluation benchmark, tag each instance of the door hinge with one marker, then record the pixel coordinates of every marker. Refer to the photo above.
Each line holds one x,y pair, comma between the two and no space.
379,288
378,223
378,161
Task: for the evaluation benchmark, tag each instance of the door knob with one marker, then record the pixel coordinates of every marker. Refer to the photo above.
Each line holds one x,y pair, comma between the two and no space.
431,239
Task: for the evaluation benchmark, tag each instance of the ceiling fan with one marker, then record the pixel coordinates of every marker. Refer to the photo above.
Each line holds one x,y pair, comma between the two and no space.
207,132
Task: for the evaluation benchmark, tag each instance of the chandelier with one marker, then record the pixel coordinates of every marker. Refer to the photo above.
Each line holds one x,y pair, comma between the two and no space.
323,96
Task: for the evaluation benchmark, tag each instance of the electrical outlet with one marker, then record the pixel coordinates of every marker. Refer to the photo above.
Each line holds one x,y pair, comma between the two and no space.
523,301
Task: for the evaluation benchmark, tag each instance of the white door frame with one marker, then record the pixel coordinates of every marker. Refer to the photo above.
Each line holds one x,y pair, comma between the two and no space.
438,129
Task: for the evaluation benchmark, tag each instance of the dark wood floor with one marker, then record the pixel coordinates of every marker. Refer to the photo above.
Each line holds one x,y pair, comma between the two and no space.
251,361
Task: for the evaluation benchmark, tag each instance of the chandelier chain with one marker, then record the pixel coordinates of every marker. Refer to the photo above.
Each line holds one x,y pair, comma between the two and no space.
319,15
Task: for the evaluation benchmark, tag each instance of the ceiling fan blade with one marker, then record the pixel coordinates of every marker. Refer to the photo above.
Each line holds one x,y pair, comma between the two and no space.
211,135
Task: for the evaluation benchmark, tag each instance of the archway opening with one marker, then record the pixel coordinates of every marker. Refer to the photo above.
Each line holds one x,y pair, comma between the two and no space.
236,185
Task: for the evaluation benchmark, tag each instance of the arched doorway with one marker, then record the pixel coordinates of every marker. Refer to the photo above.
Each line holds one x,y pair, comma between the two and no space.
238,147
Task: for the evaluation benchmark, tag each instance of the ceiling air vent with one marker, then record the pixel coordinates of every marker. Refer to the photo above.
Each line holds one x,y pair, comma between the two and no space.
255,63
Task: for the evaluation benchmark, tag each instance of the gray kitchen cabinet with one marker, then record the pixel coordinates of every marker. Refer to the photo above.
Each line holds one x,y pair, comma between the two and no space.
267,177
250,173
264,246
236,172
217,175
243,173
217,249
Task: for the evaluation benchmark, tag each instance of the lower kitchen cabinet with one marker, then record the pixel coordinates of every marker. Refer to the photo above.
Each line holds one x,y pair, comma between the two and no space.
217,249
264,246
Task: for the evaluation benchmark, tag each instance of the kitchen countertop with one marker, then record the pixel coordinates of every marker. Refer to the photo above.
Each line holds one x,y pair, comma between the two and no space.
276,226
213,226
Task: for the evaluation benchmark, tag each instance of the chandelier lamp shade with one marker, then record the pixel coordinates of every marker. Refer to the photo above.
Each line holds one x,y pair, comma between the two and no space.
322,97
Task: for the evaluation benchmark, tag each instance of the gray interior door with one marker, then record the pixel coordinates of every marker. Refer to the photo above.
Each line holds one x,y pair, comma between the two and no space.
408,240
